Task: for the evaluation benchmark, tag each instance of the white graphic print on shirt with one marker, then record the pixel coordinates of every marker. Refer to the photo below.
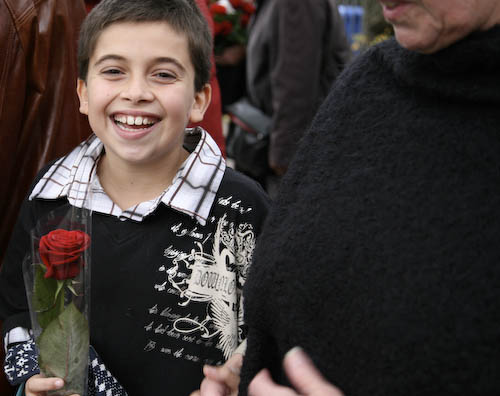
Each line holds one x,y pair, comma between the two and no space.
212,275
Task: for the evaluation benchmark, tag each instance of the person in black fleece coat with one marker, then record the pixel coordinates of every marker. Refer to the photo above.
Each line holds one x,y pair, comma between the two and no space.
381,258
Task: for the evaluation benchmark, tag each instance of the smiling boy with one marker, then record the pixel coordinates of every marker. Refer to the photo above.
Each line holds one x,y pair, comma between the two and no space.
173,229
139,98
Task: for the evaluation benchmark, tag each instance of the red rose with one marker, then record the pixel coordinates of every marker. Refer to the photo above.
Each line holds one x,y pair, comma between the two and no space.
236,3
61,252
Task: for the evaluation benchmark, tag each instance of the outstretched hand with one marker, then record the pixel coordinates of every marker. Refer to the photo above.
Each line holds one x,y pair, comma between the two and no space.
221,380
303,375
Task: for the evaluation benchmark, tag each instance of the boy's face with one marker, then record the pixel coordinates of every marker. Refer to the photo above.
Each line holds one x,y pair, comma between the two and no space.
139,95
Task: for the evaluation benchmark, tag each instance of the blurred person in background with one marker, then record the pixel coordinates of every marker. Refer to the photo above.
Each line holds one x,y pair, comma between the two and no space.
295,51
39,116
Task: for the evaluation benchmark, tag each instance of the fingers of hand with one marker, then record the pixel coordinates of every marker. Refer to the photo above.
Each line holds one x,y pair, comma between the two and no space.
263,385
304,376
37,384
210,387
234,363
228,374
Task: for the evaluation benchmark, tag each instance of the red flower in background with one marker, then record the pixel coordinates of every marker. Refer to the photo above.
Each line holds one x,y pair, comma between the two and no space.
244,19
224,27
230,22
248,7
61,251
217,9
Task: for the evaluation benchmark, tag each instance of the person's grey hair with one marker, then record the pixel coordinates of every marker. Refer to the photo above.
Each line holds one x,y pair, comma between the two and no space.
183,16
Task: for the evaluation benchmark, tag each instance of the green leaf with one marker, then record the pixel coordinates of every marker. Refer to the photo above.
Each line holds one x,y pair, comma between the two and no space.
71,289
64,347
48,300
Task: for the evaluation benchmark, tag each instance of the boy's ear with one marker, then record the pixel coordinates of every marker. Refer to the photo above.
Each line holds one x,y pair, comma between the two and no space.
81,90
200,105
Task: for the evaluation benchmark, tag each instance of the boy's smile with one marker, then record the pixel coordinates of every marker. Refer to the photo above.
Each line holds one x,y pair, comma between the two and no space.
139,95
133,126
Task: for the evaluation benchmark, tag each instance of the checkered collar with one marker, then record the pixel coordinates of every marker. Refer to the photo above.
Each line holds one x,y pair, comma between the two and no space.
192,191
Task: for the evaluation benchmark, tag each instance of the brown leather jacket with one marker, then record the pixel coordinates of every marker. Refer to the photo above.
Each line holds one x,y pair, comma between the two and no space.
39,117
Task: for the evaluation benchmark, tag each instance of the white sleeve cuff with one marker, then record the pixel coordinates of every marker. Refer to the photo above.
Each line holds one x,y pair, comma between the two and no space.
17,334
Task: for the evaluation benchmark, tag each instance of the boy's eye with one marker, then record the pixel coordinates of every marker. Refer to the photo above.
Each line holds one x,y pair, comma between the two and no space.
165,76
112,72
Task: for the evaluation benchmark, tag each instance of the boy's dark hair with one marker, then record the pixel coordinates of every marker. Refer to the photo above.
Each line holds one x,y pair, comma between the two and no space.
183,16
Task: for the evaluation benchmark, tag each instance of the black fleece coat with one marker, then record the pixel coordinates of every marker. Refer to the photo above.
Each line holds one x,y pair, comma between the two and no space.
382,256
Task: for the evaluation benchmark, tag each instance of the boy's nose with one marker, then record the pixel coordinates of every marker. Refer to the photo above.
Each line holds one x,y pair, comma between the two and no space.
137,90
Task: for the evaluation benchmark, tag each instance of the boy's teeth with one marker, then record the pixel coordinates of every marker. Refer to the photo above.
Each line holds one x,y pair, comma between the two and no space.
131,120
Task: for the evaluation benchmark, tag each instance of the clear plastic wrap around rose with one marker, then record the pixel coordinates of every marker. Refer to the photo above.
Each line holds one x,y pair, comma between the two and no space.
57,279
